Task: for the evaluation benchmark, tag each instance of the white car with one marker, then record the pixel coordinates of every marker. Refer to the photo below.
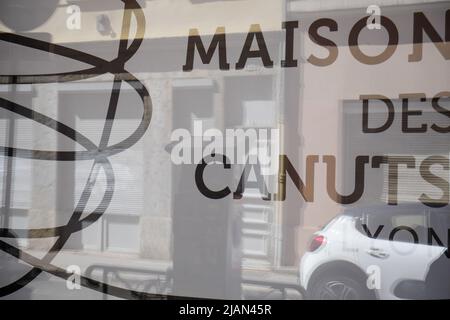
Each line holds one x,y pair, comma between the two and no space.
364,253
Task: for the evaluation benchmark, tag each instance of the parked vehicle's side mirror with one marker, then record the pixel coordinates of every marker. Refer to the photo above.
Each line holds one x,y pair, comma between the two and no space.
410,289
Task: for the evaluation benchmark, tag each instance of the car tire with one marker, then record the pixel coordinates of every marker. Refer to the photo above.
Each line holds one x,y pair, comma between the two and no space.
339,287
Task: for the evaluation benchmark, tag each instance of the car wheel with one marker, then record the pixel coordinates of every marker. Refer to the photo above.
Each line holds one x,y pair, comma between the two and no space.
338,288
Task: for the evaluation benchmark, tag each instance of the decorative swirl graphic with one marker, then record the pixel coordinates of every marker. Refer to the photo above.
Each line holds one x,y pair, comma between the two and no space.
99,153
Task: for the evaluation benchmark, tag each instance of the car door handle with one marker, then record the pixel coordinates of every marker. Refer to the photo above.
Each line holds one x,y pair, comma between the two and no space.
378,253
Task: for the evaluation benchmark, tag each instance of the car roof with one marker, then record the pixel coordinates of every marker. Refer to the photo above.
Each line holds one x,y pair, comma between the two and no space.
394,209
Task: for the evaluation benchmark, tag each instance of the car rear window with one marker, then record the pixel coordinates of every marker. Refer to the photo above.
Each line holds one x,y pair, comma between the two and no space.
424,227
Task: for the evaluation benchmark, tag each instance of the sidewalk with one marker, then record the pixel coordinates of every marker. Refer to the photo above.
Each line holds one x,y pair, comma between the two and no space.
46,286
